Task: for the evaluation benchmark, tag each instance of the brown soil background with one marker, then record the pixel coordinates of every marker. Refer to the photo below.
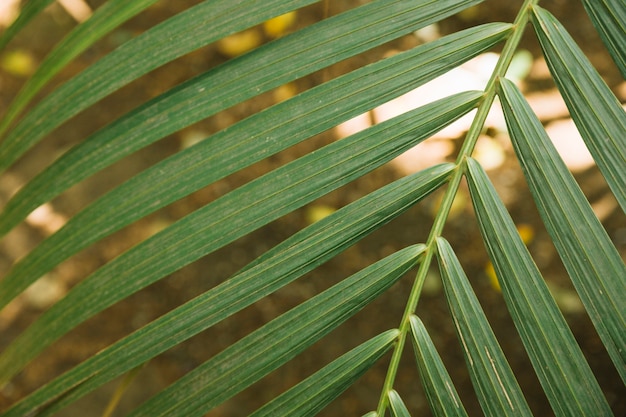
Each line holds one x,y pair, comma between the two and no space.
200,276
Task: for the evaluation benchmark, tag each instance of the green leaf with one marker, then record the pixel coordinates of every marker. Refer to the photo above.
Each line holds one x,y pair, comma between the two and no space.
494,383
28,12
564,374
398,409
592,261
163,43
609,18
284,263
276,63
440,392
227,218
265,199
598,114
112,14
313,394
255,138
264,350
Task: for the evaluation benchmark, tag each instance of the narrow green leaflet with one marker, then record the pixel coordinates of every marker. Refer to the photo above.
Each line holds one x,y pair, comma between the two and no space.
295,55
234,148
494,382
226,219
195,27
314,393
559,364
296,256
253,139
266,349
592,261
30,9
440,392
397,406
609,18
598,114
112,14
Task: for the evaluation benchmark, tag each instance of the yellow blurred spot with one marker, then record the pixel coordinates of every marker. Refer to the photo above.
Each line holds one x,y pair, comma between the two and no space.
526,233
470,13
18,62
278,26
285,92
318,212
493,278
239,43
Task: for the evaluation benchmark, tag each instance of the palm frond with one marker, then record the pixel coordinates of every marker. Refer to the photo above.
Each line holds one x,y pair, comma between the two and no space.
592,260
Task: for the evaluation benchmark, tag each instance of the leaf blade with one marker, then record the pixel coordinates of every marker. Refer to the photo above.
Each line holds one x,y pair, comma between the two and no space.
284,263
434,117
592,261
104,19
562,370
313,394
494,382
440,392
277,342
257,137
211,227
598,114
397,406
608,16
377,22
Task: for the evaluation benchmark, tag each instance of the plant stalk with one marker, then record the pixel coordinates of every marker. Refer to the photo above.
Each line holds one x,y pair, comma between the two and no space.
467,148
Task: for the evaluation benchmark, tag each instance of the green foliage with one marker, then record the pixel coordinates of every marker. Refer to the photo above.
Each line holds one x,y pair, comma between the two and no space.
592,261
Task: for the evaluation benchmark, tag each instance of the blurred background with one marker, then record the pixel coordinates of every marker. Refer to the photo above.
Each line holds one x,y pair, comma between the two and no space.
20,59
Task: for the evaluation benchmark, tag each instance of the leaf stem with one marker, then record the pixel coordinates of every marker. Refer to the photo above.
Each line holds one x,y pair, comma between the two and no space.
467,148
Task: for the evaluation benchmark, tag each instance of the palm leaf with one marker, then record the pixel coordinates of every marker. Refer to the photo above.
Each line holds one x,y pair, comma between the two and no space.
600,118
349,33
226,219
442,396
493,380
285,262
253,139
315,392
609,17
561,368
276,342
104,19
591,259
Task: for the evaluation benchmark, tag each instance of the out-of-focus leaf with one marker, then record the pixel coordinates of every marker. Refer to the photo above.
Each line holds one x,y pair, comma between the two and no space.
293,56
559,364
30,9
112,14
